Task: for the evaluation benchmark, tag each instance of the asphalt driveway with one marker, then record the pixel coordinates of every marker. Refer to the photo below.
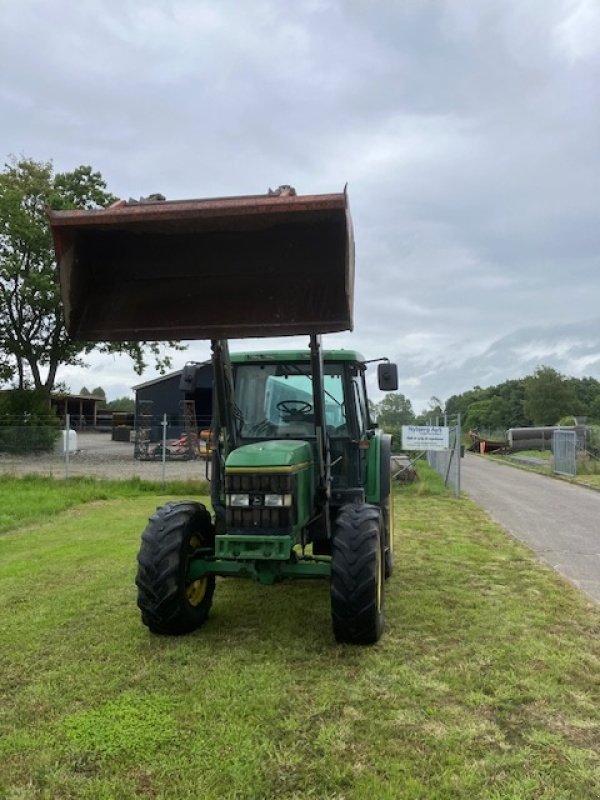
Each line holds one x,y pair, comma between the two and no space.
558,520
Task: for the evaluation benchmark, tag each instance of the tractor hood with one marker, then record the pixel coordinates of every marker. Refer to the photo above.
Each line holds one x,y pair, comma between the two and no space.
265,265
286,455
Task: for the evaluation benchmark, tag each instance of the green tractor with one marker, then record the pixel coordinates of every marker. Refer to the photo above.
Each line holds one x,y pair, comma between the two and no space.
300,475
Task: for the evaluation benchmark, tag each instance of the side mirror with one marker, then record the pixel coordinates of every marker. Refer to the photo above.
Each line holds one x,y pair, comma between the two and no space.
387,376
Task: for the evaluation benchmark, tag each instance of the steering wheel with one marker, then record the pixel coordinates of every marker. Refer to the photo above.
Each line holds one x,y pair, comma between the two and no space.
294,407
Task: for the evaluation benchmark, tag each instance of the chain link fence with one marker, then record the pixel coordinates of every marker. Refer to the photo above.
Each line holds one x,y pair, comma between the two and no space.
564,448
53,447
447,462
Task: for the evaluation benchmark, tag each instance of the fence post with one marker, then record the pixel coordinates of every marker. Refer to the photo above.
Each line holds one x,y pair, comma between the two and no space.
458,453
66,443
164,448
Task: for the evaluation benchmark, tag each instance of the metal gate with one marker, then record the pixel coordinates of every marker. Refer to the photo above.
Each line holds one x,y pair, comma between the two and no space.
564,447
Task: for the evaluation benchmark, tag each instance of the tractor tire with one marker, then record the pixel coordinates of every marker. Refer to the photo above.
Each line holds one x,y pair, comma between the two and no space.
357,575
169,603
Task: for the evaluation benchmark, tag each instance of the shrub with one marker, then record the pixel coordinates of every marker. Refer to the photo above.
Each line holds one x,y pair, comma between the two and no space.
25,423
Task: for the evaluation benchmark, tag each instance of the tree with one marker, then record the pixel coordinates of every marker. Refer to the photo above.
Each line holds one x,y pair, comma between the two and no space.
435,410
491,414
33,338
25,425
84,391
394,411
587,392
548,396
477,415
99,392
121,404
594,410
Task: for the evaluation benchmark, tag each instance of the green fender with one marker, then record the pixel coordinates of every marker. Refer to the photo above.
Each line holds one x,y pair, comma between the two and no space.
379,468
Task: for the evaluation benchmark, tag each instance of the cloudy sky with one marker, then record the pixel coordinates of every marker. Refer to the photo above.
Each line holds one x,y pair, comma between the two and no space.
468,133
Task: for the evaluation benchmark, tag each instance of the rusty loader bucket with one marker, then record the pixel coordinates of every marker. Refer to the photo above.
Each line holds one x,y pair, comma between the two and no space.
206,269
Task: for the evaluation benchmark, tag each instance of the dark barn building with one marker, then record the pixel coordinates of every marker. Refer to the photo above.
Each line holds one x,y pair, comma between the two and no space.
167,394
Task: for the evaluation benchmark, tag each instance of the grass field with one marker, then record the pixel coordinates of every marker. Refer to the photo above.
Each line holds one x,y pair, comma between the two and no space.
485,684
584,477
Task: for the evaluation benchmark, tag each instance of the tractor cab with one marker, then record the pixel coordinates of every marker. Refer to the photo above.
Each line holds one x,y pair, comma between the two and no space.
274,400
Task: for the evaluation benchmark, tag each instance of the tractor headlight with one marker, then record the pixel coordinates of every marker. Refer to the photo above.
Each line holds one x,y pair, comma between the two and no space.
238,500
278,500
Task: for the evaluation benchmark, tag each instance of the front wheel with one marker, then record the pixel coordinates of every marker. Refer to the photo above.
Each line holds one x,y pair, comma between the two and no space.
357,575
170,603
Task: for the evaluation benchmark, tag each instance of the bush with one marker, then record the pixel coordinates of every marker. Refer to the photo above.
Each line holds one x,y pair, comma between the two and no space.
25,423
593,440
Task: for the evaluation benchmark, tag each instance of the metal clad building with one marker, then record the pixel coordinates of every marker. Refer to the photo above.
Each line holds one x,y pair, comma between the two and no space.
166,395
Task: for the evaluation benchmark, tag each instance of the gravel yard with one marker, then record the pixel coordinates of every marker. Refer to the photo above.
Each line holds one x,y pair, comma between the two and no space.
97,455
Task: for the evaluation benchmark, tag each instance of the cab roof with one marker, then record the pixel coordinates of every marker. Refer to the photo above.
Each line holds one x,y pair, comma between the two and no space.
295,355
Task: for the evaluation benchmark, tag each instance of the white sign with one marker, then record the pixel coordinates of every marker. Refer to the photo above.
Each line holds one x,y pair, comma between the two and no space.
425,437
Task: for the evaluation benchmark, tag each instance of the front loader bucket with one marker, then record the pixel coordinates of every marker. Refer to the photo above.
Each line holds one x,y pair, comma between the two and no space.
207,269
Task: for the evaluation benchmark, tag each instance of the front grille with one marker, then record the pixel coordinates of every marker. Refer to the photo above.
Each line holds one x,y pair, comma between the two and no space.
258,517
248,482
261,519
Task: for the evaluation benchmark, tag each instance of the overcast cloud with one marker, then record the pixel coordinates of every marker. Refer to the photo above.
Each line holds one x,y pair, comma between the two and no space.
468,133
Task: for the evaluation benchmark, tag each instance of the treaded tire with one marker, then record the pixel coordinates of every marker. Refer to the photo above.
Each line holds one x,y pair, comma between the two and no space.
169,604
357,584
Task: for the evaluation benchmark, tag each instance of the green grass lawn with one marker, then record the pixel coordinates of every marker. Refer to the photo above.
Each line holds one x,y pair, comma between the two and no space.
25,500
545,455
485,684
585,478
590,480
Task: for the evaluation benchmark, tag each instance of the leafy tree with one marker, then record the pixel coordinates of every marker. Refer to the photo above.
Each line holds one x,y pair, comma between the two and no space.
587,391
460,403
594,410
491,414
498,413
478,415
435,410
548,396
99,392
394,411
85,392
33,338
25,425
121,404
513,392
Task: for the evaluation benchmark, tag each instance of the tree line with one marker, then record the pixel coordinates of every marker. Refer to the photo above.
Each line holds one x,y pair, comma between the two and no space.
544,398
119,404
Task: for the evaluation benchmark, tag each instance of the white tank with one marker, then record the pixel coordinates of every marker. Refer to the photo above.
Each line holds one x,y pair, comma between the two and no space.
66,438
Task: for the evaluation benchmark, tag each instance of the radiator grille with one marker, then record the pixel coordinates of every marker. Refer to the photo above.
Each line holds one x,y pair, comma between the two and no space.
248,482
258,517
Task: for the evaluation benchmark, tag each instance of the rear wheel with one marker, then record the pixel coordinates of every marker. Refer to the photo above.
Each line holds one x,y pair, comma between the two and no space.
357,575
170,603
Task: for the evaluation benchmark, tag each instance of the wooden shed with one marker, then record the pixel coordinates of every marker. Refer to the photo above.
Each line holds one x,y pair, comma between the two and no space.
82,409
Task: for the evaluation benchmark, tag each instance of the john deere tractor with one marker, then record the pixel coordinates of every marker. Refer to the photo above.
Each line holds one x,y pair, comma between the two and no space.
300,475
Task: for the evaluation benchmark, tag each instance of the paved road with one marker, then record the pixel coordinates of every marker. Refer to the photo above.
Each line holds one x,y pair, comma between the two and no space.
559,521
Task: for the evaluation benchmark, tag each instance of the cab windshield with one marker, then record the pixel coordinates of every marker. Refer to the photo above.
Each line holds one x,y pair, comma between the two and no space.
275,401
